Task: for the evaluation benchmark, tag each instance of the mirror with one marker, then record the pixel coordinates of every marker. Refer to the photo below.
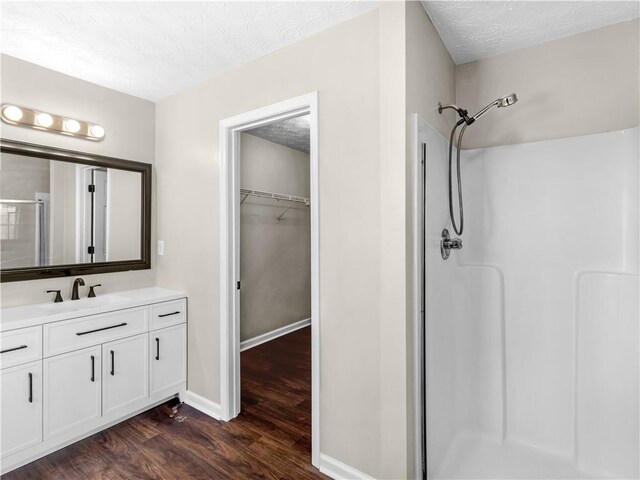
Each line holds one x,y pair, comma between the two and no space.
69,213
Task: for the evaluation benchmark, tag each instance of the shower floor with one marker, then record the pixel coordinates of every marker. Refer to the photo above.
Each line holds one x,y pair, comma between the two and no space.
477,457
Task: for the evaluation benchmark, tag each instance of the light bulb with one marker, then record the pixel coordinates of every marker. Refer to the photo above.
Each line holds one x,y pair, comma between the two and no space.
12,113
71,126
44,120
96,131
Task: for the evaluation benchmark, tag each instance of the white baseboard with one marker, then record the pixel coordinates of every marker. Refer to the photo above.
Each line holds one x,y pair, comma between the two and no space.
278,332
204,405
340,471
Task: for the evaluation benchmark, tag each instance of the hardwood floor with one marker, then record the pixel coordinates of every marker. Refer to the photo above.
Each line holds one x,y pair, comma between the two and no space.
271,438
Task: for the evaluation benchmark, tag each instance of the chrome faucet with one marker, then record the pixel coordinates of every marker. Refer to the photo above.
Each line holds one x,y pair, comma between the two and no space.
74,291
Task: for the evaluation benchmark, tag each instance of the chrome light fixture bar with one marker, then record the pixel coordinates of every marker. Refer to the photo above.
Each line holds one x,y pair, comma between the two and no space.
27,117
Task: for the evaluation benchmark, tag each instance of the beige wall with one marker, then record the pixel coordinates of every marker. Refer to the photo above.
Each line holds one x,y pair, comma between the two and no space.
342,64
393,333
130,126
275,258
579,85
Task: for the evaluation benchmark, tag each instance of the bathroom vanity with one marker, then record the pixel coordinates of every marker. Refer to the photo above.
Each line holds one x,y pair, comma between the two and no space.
71,369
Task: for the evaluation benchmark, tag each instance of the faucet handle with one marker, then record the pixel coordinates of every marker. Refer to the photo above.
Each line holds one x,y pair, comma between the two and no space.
91,292
58,298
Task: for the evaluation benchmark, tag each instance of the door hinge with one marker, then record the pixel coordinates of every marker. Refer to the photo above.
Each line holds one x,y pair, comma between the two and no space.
92,188
91,250
238,285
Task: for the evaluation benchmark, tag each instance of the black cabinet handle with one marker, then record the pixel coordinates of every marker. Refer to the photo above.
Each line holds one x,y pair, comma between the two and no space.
101,329
93,368
30,387
168,314
157,348
13,349
113,363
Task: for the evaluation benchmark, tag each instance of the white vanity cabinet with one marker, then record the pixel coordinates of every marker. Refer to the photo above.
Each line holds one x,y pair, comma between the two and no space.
125,373
72,386
70,370
21,408
168,357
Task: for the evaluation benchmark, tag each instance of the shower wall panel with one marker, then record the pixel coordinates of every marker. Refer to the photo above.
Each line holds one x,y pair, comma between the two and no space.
532,328
463,332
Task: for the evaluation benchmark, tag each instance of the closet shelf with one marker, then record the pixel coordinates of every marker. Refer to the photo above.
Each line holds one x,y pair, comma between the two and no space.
275,196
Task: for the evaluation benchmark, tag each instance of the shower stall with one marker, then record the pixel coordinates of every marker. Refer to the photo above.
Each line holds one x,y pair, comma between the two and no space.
530,362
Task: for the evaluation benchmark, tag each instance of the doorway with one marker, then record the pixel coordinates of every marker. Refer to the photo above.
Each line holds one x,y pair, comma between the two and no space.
231,130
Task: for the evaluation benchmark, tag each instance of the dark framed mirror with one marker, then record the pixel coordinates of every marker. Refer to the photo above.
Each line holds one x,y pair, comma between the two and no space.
68,213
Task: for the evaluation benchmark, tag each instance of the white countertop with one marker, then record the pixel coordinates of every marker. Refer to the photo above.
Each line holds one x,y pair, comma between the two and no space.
22,316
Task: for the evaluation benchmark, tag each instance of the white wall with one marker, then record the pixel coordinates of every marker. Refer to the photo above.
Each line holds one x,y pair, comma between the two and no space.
275,257
539,323
583,84
130,126
517,327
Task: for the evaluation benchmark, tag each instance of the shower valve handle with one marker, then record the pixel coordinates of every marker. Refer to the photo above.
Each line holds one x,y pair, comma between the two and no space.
447,244
453,244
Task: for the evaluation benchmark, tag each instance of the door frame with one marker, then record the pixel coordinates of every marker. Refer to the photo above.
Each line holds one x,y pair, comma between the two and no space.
419,281
230,151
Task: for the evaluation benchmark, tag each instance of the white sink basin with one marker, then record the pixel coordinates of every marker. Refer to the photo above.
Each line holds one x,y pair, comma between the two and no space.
75,305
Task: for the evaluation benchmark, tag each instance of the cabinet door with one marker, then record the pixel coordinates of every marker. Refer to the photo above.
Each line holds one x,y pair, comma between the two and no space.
72,390
168,357
21,415
125,371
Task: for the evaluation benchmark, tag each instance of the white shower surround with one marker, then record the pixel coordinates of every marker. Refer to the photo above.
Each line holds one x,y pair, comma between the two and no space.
532,329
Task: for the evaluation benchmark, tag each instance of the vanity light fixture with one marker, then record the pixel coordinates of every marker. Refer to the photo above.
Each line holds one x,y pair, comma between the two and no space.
26,117
44,120
72,126
12,113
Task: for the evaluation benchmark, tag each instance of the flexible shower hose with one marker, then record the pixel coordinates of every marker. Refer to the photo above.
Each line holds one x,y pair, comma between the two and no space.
459,178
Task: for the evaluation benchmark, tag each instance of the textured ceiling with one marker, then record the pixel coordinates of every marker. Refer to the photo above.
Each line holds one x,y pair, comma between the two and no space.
292,133
478,29
155,49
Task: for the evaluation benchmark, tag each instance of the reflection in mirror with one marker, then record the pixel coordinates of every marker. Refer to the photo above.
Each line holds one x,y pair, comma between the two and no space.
61,213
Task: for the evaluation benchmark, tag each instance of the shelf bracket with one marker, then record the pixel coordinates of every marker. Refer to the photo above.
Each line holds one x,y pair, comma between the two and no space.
285,211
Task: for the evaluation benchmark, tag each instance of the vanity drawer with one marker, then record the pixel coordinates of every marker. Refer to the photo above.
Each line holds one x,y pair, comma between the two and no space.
82,332
20,346
166,314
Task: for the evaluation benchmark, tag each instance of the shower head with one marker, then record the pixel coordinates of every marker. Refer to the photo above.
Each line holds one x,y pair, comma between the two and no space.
508,100
505,101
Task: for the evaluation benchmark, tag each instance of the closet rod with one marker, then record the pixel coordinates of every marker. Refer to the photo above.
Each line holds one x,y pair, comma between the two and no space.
276,196
3,200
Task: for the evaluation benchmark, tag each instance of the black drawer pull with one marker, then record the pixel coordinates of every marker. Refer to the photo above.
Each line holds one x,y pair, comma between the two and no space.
113,363
101,329
168,314
30,387
93,368
157,348
13,349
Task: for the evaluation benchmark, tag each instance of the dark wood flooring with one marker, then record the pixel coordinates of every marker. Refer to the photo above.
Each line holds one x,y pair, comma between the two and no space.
271,438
